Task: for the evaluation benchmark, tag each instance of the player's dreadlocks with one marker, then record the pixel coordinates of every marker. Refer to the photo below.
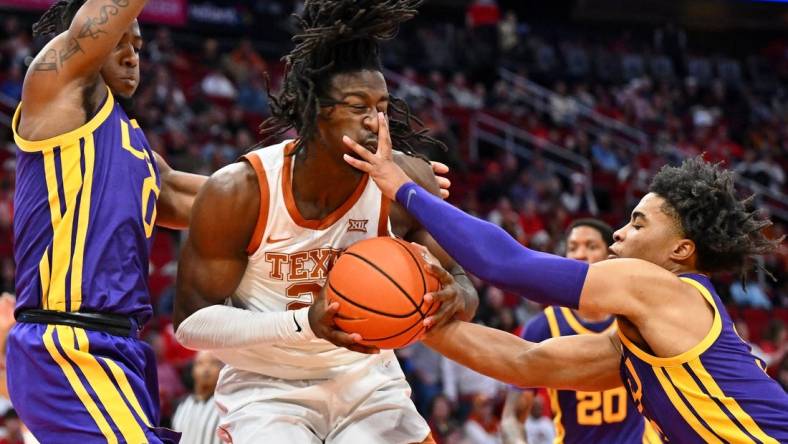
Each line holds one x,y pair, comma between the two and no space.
57,18
702,199
340,36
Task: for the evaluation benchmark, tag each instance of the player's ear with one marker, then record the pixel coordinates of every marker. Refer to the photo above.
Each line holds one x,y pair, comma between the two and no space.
682,250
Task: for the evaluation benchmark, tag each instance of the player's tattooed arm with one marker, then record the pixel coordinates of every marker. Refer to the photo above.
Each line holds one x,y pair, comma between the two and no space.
581,362
95,31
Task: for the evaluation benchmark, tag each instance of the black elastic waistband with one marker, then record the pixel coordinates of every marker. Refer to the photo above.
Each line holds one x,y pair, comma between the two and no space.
113,324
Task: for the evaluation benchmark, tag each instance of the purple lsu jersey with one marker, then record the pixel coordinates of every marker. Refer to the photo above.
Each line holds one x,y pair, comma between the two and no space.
85,206
588,417
716,392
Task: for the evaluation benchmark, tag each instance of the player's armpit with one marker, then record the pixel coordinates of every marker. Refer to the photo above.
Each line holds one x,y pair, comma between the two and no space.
582,362
178,191
214,256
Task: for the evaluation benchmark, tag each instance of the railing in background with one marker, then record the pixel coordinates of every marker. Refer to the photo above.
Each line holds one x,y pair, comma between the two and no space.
486,128
593,122
633,140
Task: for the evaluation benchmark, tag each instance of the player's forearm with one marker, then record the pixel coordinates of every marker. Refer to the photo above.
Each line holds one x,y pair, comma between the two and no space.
222,327
176,200
491,254
98,19
488,351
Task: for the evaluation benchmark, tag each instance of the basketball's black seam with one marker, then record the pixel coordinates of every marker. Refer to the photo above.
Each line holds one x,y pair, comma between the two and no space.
421,272
371,310
371,264
396,334
418,332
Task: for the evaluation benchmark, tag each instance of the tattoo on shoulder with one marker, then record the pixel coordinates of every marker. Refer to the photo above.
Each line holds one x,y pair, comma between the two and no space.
48,62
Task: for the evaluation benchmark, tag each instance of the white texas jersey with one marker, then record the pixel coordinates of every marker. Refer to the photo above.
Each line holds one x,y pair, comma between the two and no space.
288,261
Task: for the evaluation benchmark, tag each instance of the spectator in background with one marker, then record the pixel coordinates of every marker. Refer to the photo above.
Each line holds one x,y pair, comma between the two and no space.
245,62
539,428
440,420
563,108
508,33
775,342
482,425
217,85
197,416
252,96
12,428
743,331
170,385
782,374
11,87
461,384
603,154
750,294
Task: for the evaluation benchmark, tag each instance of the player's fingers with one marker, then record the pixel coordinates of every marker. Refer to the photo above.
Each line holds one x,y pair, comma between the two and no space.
358,149
357,164
444,194
444,314
351,341
384,138
364,349
442,295
443,182
439,167
444,277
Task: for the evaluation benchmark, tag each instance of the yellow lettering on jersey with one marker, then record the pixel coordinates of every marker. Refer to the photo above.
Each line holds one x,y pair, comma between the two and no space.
149,186
596,408
635,386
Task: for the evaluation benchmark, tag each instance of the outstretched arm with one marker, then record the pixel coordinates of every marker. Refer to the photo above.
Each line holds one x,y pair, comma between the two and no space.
457,296
623,286
582,362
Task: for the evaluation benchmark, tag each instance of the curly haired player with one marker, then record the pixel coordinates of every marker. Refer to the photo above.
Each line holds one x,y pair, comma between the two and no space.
265,230
675,350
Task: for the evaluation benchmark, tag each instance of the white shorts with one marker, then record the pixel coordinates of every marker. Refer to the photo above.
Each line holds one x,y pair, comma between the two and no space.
370,403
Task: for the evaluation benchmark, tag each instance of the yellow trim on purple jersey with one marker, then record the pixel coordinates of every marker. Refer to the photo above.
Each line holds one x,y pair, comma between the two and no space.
579,328
694,352
715,392
31,146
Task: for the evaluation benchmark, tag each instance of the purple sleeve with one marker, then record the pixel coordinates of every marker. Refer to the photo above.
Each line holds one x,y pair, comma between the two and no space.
491,254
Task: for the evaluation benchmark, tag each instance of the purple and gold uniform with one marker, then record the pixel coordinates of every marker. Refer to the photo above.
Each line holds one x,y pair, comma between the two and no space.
716,392
586,417
85,207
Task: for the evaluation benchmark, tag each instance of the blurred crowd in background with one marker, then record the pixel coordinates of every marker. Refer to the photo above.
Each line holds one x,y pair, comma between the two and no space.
202,99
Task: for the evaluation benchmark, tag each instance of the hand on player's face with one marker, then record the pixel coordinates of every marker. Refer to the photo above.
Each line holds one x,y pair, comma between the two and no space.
380,166
321,319
443,183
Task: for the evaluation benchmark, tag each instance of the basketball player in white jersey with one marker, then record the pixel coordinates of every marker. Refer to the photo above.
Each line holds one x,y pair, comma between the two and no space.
265,231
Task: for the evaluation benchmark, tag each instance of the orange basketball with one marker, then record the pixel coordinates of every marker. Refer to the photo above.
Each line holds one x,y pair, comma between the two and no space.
380,284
